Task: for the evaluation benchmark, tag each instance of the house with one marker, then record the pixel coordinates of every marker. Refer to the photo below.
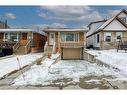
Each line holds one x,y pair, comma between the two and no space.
3,25
68,42
22,41
103,34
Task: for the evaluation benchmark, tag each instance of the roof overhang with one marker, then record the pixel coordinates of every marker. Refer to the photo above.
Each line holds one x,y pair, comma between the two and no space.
16,30
65,30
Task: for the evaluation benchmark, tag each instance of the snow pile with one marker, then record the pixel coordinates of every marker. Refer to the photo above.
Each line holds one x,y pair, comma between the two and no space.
113,58
10,64
65,70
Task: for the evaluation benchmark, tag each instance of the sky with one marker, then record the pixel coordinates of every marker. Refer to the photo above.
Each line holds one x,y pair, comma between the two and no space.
56,16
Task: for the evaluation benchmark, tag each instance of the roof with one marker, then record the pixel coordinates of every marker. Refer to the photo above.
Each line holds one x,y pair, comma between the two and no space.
106,23
16,30
97,22
95,28
64,30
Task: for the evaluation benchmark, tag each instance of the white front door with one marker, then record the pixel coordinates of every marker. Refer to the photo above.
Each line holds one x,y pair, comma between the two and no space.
52,39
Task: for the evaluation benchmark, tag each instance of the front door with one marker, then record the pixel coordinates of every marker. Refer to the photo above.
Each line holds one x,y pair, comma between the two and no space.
52,39
24,36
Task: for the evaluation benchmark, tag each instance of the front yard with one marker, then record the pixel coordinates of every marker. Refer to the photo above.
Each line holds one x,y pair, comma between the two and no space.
69,73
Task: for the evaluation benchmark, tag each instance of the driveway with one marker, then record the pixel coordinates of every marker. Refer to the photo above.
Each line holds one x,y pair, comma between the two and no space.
69,74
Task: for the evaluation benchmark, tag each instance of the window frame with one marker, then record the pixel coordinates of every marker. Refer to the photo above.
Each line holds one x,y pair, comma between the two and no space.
107,35
75,39
7,36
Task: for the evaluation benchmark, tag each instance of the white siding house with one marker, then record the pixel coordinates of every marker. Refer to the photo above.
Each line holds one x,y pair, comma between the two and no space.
103,34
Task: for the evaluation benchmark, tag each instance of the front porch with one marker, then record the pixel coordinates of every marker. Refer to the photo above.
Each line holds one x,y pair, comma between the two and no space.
16,39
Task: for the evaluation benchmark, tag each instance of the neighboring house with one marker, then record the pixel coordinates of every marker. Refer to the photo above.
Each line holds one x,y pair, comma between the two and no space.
22,40
3,25
103,34
68,42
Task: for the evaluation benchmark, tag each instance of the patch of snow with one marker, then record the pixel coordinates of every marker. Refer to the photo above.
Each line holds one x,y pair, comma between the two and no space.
10,64
112,58
54,56
70,69
93,81
47,62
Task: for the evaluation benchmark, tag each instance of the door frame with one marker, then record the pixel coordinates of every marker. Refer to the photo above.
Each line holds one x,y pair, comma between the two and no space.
50,42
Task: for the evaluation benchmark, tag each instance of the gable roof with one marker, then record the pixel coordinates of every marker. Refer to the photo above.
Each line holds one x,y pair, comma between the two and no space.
97,22
106,23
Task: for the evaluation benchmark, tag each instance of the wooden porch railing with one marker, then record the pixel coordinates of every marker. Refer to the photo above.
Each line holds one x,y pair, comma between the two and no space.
16,46
28,46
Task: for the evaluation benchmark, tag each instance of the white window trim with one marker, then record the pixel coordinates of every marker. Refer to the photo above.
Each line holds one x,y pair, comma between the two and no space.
74,38
8,37
105,36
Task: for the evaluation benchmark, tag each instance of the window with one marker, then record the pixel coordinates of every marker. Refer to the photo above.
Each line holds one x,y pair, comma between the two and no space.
52,36
11,37
119,34
107,37
123,19
6,36
63,37
69,37
98,39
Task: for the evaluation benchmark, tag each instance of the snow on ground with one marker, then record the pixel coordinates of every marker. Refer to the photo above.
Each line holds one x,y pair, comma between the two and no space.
71,70
10,64
54,56
112,58
49,61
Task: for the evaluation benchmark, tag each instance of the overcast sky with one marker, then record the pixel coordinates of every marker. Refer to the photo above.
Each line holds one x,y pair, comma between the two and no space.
56,16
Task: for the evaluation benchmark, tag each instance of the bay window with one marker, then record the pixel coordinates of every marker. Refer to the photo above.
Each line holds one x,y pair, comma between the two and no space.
69,37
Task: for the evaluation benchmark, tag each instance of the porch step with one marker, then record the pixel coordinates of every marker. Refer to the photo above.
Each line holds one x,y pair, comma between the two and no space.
20,50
